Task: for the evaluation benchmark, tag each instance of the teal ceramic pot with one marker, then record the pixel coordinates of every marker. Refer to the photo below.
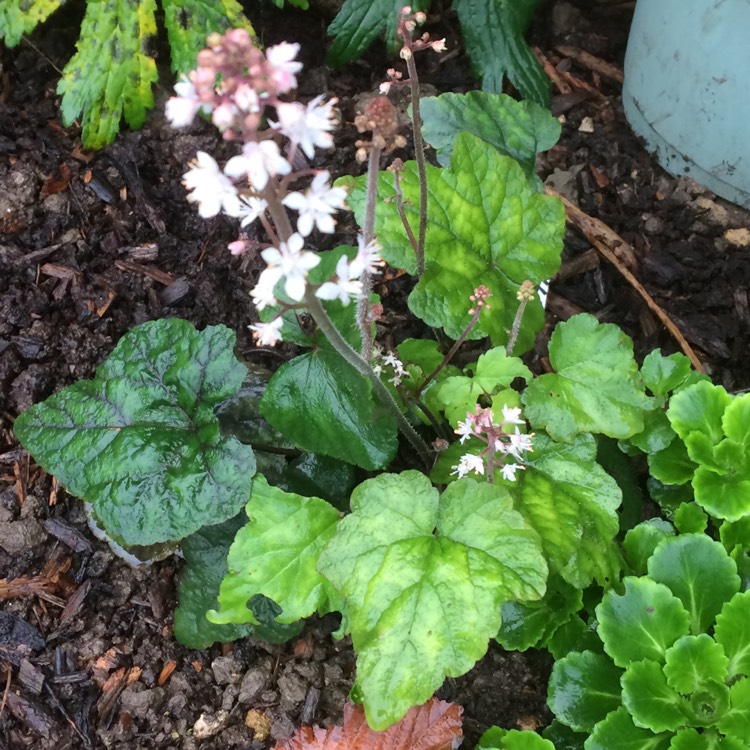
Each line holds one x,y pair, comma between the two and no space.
687,89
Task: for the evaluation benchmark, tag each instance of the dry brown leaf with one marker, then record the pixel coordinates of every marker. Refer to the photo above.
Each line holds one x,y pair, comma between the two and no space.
434,726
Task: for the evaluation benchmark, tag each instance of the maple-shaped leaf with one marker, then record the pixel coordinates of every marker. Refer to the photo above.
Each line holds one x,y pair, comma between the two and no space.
435,725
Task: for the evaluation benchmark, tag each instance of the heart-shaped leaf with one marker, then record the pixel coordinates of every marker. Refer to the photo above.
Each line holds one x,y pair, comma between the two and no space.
141,442
423,577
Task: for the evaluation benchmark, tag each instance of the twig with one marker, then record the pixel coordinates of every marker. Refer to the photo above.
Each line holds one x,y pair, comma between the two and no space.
592,62
604,239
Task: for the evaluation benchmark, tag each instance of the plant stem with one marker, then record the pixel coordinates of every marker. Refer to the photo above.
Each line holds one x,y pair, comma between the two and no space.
416,122
451,352
516,327
342,347
368,235
402,212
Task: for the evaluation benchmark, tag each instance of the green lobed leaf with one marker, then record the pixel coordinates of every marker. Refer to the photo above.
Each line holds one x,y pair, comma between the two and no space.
690,739
493,32
732,631
692,660
487,226
19,17
111,74
708,703
423,577
141,441
323,405
205,566
492,371
698,571
642,623
649,699
618,732
531,624
640,542
574,635
189,22
275,554
695,414
360,22
572,503
736,721
661,374
517,129
595,387
312,475
564,738
583,689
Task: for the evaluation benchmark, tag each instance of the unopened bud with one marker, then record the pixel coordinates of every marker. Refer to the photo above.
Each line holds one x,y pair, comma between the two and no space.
214,40
420,17
361,155
406,10
405,53
526,292
439,45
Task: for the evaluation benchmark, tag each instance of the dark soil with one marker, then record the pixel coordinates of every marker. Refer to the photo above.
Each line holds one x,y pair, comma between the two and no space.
92,245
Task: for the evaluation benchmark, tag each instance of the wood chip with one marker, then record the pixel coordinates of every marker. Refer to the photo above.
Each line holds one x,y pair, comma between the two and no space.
31,677
154,273
593,63
166,671
68,534
75,601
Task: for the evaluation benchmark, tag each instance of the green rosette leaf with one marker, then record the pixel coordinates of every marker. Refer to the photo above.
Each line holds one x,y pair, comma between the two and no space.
672,465
572,503
692,660
141,441
512,739
360,22
517,129
732,631
19,17
494,36
649,699
595,387
493,371
275,554
583,688
205,566
189,22
662,375
642,623
736,721
698,571
487,226
111,74
690,518
618,732
423,577
708,703
640,542
531,624
715,428
564,738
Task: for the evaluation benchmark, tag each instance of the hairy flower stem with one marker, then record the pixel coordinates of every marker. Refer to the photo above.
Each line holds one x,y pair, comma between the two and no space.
402,212
368,235
279,215
516,326
342,347
416,122
451,352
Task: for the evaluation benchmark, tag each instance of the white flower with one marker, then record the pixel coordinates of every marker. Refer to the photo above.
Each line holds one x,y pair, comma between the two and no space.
246,98
439,45
258,161
465,429
224,115
181,109
468,463
263,293
367,259
519,444
283,66
512,415
292,263
317,204
509,471
344,287
267,334
250,208
307,127
399,371
211,190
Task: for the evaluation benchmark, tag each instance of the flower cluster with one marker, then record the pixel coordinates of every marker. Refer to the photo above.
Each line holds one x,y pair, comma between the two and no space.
504,449
236,83
389,360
